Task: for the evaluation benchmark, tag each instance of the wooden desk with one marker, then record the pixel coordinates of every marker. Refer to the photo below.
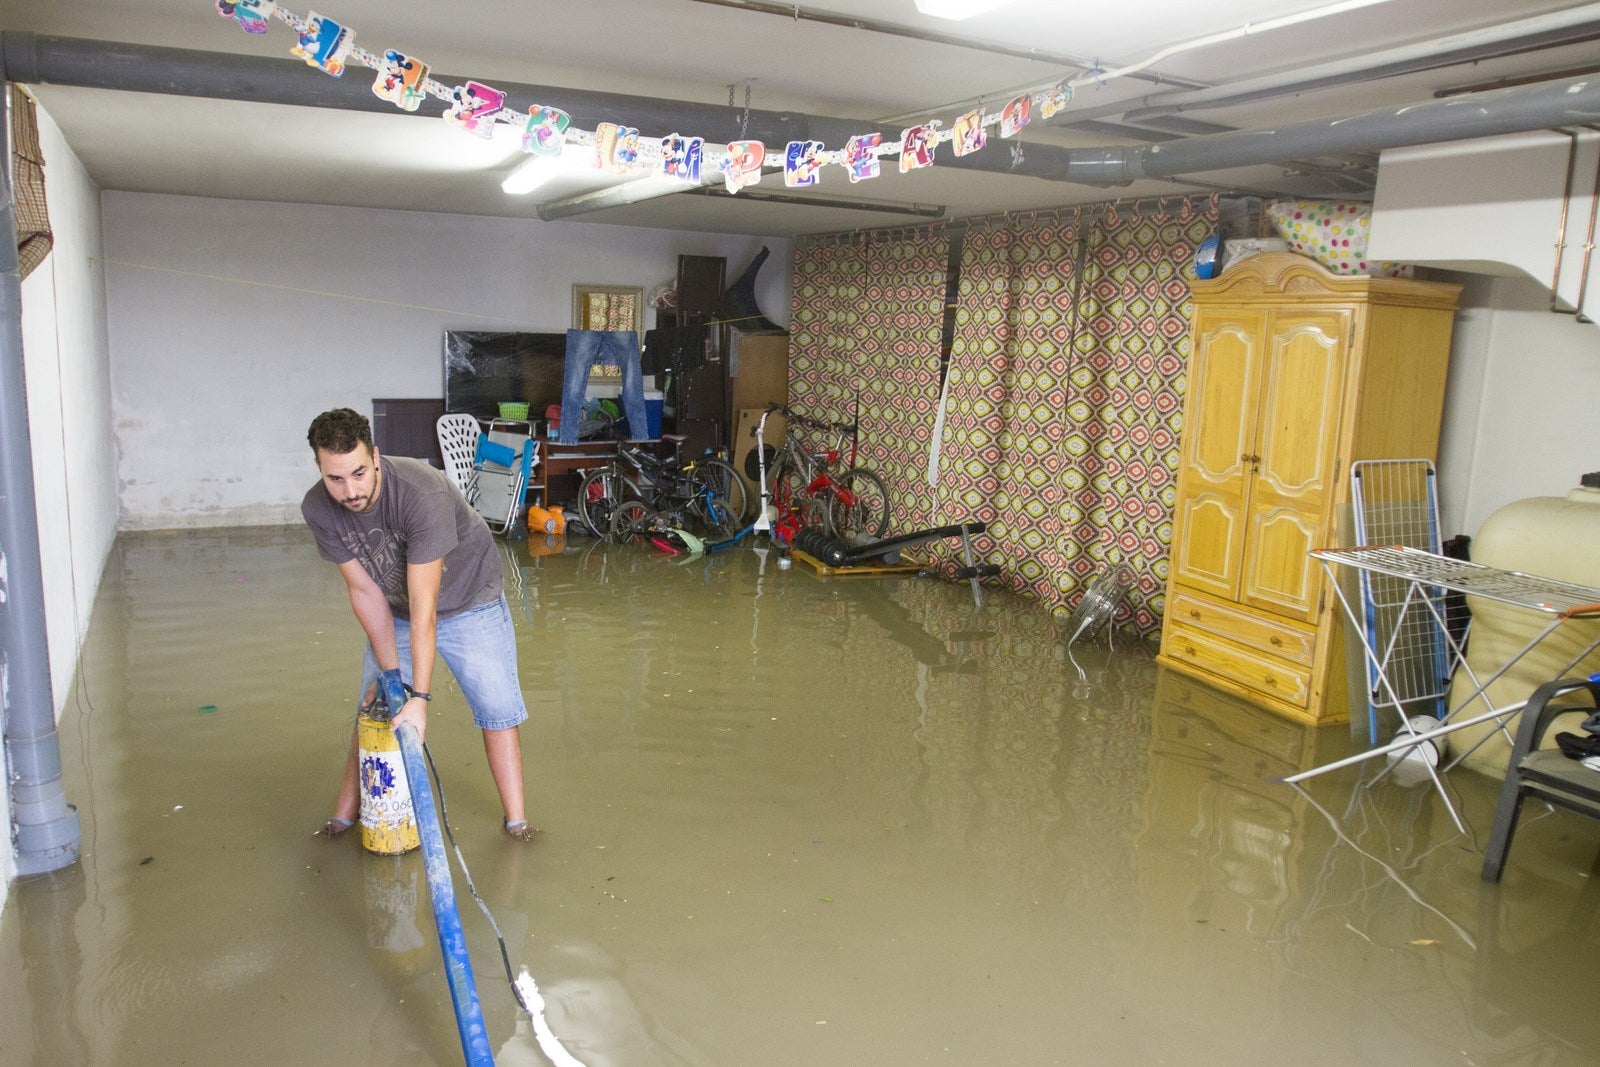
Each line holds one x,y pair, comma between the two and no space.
557,460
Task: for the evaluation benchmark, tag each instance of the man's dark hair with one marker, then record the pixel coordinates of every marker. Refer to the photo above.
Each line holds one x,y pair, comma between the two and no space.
339,431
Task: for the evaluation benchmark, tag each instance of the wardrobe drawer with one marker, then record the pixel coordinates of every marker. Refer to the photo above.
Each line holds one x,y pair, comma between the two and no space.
1266,674
1272,636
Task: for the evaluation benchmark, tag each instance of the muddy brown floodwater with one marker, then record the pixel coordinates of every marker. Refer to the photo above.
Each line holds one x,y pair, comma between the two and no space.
787,820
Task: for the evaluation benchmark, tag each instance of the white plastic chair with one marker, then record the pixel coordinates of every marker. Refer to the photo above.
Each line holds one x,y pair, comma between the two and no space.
458,444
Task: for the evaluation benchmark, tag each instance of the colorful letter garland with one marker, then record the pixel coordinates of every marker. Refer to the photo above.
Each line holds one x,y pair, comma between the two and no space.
544,130
403,80
474,107
400,80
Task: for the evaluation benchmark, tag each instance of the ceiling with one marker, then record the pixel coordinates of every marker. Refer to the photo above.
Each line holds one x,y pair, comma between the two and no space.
872,62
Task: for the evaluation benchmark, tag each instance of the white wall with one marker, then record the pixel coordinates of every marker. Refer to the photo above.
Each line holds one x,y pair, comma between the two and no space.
66,362
233,323
1520,406
69,405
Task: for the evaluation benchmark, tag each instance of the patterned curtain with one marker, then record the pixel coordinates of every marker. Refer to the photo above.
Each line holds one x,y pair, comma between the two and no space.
1129,373
865,348
612,311
1002,454
1064,392
829,279
1066,389
34,238
902,317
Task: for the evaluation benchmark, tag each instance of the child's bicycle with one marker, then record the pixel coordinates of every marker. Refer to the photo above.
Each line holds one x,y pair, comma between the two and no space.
638,495
852,505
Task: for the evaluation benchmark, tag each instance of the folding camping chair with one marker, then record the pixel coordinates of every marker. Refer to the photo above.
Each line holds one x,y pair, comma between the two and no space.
502,467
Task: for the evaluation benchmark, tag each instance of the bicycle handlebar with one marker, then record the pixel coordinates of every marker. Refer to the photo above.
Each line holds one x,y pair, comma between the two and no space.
803,420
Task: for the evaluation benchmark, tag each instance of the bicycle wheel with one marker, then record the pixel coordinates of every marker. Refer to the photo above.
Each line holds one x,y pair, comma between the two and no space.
631,523
721,501
789,479
598,496
858,507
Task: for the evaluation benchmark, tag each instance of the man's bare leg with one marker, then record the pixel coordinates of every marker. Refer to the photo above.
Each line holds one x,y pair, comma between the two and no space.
504,750
347,807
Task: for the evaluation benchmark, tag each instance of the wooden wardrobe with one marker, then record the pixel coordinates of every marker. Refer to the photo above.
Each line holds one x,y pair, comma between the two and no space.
1294,373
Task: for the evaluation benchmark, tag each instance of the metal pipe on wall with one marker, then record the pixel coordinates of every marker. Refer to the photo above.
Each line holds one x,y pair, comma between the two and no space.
1561,225
44,827
1588,248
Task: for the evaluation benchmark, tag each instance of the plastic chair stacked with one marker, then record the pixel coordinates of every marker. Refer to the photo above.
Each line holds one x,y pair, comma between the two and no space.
458,444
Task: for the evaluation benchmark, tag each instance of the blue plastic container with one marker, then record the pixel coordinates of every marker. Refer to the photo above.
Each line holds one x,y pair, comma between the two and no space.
654,401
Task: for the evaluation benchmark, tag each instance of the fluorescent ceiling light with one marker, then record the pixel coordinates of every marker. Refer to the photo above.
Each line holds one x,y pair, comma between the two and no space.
958,9
529,175
534,170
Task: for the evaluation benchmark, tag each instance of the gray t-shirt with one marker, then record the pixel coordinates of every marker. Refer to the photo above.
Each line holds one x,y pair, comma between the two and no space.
420,517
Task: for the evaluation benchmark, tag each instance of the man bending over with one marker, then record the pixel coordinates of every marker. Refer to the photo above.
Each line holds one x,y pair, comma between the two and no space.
424,577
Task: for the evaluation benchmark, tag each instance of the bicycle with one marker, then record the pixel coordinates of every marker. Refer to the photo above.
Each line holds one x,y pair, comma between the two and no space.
637,495
852,505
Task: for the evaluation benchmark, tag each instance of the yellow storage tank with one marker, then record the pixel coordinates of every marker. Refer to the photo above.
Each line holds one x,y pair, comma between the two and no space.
1550,537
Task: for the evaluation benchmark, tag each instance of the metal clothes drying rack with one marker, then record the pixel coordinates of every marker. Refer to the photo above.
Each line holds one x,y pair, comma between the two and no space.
1393,502
1425,573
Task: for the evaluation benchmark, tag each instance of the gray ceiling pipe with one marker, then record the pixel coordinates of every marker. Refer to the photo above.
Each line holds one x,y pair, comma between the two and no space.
44,827
37,59
47,60
1529,107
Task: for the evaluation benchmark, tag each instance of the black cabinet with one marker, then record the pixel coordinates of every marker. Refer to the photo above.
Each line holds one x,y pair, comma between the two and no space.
700,396
408,427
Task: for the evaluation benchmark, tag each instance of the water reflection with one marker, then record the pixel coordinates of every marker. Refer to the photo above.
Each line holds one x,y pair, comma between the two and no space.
787,819
43,915
390,892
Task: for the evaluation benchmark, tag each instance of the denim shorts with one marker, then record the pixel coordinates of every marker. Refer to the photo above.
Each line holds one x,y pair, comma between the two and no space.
480,648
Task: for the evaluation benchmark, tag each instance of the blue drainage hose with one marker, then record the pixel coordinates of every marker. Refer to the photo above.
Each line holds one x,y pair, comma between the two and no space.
452,942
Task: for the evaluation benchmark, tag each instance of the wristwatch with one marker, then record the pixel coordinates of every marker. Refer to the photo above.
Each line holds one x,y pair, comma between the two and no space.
419,694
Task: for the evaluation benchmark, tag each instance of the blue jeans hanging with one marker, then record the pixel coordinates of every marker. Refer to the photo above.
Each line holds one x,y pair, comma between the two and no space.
585,348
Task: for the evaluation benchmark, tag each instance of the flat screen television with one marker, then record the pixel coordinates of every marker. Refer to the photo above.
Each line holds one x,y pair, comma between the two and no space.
482,368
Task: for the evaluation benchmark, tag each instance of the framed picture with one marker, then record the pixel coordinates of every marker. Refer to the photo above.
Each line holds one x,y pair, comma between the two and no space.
608,307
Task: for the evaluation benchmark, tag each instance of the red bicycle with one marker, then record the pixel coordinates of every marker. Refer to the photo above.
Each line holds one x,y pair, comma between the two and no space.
852,505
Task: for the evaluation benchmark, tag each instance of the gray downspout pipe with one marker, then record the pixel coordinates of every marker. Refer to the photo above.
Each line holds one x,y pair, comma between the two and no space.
44,827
